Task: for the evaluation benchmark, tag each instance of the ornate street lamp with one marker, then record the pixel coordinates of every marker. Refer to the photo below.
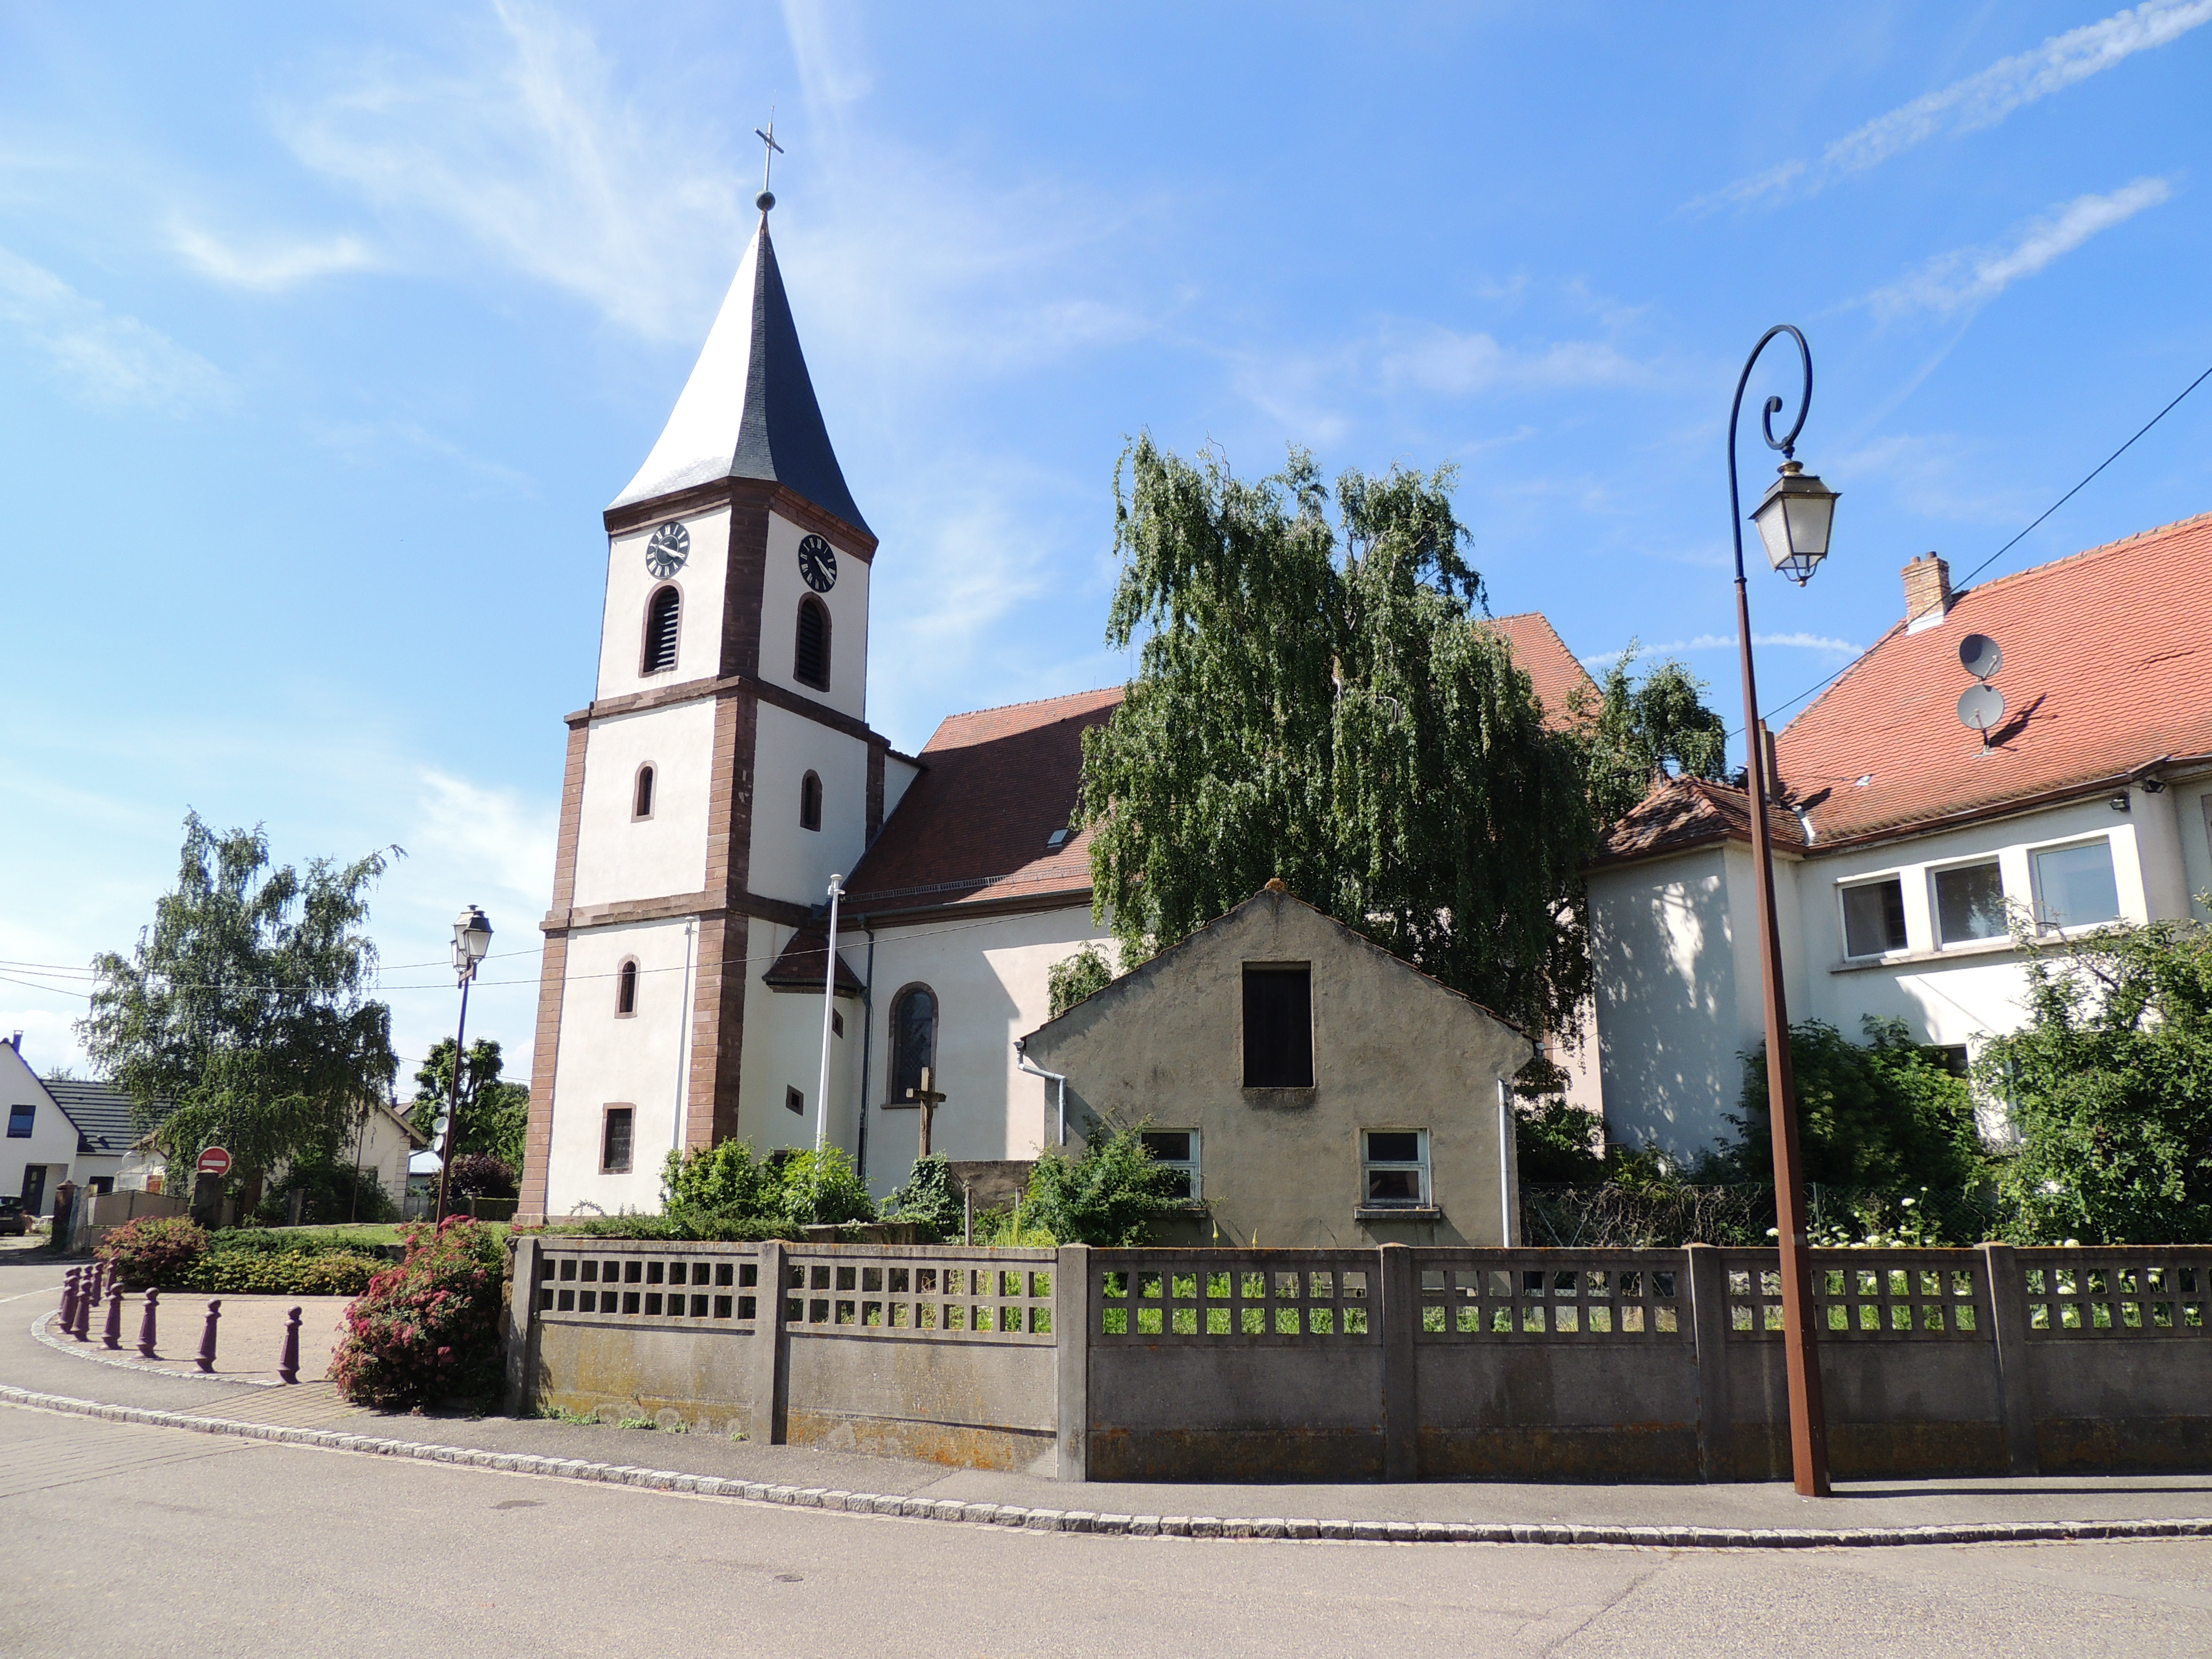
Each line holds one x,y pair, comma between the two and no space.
472,943
1794,521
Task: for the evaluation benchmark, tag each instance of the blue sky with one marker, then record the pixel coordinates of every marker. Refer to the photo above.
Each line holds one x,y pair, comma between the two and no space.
328,331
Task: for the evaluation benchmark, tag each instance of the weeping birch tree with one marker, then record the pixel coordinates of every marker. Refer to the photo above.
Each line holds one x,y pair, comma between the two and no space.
1318,698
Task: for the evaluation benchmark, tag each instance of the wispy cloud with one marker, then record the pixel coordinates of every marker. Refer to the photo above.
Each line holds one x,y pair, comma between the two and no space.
1970,276
361,441
1937,475
1456,365
268,266
1979,101
1802,642
104,357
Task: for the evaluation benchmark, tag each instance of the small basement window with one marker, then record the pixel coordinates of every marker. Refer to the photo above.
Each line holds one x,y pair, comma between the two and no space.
1176,1150
1279,1027
1873,918
1394,1166
2074,885
615,1140
1969,903
20,1120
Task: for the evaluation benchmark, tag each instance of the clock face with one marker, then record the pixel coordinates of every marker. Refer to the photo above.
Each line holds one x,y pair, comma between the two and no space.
670,547
818,563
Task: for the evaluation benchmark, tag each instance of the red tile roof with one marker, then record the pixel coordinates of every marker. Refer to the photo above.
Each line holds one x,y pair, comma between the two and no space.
1685,812
2105,661
1542,655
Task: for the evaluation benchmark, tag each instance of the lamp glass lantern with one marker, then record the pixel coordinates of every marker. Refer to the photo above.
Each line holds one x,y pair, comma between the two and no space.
1794,521
472,939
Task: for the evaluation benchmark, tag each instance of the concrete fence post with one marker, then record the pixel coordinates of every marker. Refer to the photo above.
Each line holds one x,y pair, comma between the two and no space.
1398,1278
1071,1341
771,1364
1709,1326
2009,1341
522,1321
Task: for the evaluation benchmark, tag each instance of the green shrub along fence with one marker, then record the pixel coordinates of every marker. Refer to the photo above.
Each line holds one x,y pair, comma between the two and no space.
1668,1215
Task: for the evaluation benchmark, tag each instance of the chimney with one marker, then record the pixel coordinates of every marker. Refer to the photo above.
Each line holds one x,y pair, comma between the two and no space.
1927,591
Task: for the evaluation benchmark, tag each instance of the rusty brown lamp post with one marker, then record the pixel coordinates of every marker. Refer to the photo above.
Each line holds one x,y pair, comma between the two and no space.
1794,521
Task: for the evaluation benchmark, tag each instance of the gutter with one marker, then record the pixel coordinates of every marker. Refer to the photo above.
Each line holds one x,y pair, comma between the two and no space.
1025,1063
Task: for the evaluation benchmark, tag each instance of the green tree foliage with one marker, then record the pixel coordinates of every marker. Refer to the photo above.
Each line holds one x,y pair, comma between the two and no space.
1109,1195
785,1190
247,1003
1321,702
928,1200
332,1192
494,1113
2110,1085
1559,1144
1070,979
1884,1114
1638,730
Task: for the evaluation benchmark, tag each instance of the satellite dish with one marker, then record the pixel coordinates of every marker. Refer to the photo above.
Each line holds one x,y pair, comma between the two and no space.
1979,656
1982,706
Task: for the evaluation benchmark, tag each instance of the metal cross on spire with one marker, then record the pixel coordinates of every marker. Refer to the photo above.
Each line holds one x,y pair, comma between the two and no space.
765,199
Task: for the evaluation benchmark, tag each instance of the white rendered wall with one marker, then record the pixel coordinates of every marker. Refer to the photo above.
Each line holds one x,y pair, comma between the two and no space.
605,1059
790,862
783,1050
2193,816
782,589
52,1141
629,585
620,858
898,775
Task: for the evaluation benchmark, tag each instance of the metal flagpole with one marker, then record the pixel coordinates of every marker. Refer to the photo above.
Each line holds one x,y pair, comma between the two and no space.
829,999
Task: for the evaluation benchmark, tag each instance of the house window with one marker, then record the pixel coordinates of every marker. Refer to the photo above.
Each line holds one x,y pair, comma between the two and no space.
1279,1027
913,1039
794,1101
640,801
1873,918
1394,1166
1969,903
626,989
615,1139
810,656
810,802
2074,887
19,1119
1176,1150
662,613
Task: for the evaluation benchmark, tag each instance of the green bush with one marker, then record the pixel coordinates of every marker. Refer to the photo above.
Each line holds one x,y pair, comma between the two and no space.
332,1191
157,1250
1109,1196
291,1273
927,1200
1558,1143
1884,1114
285,1240
725,1185
1069,982
428,1330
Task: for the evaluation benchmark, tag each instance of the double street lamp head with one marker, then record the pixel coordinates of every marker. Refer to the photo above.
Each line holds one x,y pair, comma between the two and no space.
471,940
1794,521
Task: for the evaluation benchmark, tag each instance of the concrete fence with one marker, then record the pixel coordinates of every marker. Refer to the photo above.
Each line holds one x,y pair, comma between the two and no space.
1399,1364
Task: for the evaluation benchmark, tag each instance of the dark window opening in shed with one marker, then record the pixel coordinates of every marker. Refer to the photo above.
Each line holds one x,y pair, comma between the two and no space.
1279,1027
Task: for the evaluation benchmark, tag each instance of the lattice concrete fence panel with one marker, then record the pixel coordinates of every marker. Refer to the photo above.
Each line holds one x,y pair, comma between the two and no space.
1390,1363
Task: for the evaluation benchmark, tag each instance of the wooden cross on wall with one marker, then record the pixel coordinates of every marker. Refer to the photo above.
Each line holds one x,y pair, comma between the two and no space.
929,1100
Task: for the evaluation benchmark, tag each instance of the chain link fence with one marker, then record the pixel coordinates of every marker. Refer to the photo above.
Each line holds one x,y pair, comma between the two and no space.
1668,1215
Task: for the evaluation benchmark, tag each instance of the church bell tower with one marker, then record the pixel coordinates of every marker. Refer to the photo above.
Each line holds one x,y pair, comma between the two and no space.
723,771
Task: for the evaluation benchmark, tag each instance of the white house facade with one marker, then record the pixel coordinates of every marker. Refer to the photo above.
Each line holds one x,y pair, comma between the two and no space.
1906,848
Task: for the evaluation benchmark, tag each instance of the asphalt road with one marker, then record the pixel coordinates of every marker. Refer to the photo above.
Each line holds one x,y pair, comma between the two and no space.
121,1540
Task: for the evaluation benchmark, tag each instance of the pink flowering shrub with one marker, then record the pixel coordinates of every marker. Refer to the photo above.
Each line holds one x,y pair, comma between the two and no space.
155,1250
429,1330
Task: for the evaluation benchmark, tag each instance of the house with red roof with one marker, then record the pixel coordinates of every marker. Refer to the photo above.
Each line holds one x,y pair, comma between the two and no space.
1908,842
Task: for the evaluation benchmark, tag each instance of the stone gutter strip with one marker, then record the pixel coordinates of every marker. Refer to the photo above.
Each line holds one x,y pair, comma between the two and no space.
1013,1517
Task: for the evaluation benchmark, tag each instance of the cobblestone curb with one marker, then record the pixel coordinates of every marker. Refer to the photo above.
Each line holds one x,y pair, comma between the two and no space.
1013,1517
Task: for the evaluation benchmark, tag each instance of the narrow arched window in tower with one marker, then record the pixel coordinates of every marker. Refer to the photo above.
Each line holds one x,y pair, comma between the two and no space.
641,806
662,612
810,656
913,1039
810,802
626,988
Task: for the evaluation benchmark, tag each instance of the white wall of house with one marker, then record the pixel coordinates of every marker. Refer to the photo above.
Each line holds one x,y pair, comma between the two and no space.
47,1139
1679,997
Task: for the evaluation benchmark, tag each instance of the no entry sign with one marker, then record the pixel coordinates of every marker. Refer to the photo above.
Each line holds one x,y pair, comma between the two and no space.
216,1161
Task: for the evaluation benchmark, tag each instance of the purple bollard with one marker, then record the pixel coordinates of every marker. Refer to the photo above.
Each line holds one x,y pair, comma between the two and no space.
288,1368
68,1299
81,1324
97,1275
146,1324
205,1360
112,1336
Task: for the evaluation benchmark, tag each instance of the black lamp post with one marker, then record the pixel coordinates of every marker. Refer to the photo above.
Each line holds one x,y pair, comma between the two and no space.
1794,521
471,942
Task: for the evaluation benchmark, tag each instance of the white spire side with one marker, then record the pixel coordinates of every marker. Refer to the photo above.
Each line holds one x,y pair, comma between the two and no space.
700,438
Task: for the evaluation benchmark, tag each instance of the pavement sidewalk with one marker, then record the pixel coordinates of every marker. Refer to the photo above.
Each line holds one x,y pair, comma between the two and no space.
62,1373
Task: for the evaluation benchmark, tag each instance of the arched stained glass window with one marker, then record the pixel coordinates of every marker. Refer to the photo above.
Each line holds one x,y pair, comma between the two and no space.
913,1039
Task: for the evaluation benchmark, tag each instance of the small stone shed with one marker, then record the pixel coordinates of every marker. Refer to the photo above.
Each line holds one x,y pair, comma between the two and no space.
1316,1090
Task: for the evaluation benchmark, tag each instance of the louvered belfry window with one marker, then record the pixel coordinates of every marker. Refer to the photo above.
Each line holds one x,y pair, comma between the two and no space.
660,620
810,656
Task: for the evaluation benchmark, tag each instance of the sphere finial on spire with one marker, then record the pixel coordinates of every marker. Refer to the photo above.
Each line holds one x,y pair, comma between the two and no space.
765,200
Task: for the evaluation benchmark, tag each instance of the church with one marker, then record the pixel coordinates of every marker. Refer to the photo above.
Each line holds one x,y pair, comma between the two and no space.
725,772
